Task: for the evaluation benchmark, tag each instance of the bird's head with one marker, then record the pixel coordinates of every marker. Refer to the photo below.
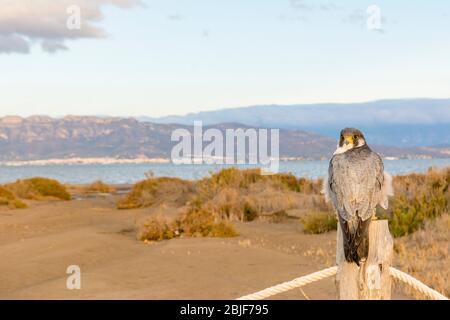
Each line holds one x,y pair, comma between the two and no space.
350,138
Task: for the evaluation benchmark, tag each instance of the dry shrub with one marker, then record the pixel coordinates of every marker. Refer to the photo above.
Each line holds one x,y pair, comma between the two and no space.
230,194
231,178
292,183
99,187
319,222
192,223
38,189
157,228
246,194
244,179
227,204
426,255
8,199
418,197
5,196
202,223
156,191
278,216
247,205
268,201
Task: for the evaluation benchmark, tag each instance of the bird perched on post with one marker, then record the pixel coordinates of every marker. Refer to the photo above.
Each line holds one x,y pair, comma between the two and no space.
356,184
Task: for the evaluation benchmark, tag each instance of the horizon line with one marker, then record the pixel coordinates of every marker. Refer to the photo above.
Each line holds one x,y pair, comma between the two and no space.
55,116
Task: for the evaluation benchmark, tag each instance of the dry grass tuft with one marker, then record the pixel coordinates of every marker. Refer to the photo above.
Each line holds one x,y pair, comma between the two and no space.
8,199
99,187
38,189
319,222
192,223
245,179
426,255
201,223
157,228
156,191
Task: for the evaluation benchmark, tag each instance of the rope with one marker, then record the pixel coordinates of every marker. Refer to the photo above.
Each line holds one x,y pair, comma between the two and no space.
286,286
416,284
319,275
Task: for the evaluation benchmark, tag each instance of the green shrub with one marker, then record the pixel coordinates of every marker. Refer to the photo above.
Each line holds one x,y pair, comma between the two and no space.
418,197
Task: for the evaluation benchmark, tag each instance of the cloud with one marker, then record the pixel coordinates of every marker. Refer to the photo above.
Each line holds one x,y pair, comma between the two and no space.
306,6
175,17
328,7
205,33
301,9
359,18
26,22
13,43
356,17
300,4
52,46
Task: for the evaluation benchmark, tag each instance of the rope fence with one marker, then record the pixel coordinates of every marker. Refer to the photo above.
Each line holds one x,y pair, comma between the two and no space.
416,284
286,286
329,272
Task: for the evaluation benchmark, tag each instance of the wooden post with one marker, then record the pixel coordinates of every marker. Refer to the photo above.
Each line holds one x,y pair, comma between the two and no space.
370,281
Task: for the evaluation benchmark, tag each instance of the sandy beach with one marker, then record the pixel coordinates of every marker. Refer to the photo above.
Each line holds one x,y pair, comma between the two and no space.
38,244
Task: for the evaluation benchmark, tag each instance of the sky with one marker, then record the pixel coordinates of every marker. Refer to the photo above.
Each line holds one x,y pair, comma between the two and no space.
164,57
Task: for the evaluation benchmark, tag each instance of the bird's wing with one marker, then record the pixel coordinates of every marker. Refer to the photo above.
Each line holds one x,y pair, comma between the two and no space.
355,182
387,190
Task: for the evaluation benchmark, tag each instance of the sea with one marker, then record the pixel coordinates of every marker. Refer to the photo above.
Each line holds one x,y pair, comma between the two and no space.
131,173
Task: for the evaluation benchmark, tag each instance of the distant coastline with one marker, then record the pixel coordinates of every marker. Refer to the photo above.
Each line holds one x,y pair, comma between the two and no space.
118,171
111,160
83,161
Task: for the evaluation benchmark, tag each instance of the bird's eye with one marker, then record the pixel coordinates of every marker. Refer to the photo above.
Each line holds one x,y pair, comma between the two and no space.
355,137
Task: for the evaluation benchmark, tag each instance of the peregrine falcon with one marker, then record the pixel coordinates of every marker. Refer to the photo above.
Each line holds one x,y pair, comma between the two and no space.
356,184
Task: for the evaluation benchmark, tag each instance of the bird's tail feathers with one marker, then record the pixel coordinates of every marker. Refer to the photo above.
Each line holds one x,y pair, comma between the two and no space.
356,239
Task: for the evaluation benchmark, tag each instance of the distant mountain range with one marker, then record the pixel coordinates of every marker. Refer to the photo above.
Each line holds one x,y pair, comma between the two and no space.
40,138
399,123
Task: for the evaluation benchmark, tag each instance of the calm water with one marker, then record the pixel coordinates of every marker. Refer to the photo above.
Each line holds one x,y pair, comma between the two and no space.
130,173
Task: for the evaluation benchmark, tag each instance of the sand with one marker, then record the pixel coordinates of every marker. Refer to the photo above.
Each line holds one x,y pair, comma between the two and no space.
38,244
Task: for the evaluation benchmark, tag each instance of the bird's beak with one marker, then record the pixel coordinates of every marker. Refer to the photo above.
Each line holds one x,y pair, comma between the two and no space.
348,140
